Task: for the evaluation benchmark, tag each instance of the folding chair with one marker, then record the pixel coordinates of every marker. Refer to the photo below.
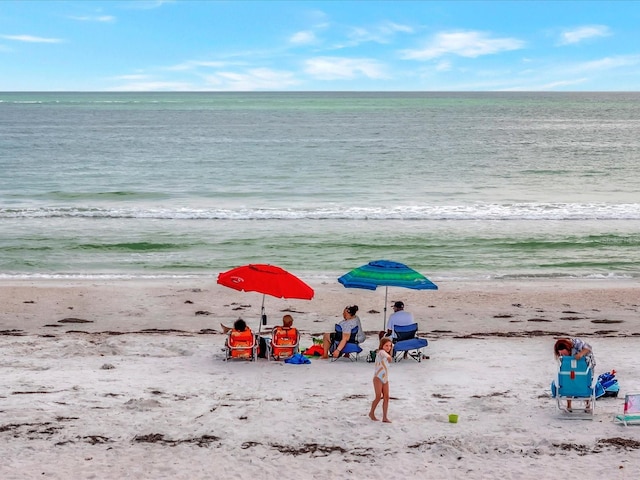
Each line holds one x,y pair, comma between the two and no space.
407,344
351,348
284,343
575,384
631,413
241,345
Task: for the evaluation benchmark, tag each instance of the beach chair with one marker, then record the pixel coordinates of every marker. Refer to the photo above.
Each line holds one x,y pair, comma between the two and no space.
575,383
351,348
631,413
406,344
241,345
284,343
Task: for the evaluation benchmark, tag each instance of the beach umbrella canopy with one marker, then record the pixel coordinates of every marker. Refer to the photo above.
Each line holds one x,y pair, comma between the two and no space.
266,279
385,273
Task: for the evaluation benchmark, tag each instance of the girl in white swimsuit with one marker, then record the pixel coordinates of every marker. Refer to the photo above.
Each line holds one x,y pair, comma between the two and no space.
381,379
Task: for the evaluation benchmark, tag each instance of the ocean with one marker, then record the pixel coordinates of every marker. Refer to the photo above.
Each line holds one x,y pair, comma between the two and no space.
455,185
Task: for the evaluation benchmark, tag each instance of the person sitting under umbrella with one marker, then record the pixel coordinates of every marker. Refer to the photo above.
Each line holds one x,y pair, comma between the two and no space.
350,321
240,339
287,323
399,317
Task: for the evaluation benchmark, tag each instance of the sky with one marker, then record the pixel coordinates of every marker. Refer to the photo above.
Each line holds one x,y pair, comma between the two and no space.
183,45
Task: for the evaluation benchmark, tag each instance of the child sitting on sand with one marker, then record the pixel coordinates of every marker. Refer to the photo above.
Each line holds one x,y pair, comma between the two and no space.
381,379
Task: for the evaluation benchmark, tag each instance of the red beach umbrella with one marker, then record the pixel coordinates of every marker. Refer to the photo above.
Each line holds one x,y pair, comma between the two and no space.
266,279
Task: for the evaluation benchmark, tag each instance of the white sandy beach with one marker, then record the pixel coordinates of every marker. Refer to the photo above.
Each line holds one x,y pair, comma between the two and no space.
126,379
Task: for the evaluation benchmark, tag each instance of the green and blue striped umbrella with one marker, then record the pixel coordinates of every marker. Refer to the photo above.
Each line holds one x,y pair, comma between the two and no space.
385,273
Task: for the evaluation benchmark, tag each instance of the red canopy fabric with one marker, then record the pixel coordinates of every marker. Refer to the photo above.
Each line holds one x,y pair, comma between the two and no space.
266,279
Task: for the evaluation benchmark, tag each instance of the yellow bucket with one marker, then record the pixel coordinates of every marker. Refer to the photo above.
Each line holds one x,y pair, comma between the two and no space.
453,418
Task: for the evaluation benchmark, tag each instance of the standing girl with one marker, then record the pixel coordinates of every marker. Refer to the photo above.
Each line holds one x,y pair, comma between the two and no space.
381,379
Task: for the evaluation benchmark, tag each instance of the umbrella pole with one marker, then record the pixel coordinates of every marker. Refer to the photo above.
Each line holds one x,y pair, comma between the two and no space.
263,316
384,325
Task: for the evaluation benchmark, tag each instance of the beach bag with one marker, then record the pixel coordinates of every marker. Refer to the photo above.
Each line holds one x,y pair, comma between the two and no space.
262,347
314,351
607,385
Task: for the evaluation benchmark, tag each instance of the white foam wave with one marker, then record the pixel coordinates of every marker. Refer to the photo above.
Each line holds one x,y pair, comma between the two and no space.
520,211
98,276
319,277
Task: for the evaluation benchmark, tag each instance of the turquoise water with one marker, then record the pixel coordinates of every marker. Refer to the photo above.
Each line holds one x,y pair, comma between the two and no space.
456,185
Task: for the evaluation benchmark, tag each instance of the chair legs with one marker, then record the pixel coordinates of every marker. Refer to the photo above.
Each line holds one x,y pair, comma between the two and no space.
404,354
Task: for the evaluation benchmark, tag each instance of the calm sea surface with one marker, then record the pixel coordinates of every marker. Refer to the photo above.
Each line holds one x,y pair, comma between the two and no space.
456,185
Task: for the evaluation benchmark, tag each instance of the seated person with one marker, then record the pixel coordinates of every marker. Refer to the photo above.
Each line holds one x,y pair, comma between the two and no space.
284,338
287,321
278,331
240,336
399,317
350,320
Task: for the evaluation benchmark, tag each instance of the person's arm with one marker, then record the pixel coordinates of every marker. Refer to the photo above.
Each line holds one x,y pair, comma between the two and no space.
338,350
583,348
582,353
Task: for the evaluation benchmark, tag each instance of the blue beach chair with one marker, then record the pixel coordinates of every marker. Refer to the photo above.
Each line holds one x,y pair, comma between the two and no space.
407,344
575,384
351,348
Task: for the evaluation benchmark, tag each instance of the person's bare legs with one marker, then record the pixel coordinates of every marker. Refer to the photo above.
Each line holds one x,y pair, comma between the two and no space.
385,402
377,387
326,343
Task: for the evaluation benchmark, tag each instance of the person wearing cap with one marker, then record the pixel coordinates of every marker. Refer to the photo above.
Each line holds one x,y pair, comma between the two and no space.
398,317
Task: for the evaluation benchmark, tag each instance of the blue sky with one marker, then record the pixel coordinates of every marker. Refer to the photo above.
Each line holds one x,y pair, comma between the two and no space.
180,45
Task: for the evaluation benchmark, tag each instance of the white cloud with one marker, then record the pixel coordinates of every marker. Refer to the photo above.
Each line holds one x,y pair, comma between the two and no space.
378,34
562,83
334,68
443,66
464,44
100,18
153,87
303,38
193,64
31,39
253,79
132,77
144,4
609,63
577,35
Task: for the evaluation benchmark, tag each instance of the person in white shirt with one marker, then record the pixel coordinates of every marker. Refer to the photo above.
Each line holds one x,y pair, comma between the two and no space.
398,317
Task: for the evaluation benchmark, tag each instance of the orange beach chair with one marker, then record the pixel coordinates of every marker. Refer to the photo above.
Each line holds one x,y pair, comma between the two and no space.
285,343
241,345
